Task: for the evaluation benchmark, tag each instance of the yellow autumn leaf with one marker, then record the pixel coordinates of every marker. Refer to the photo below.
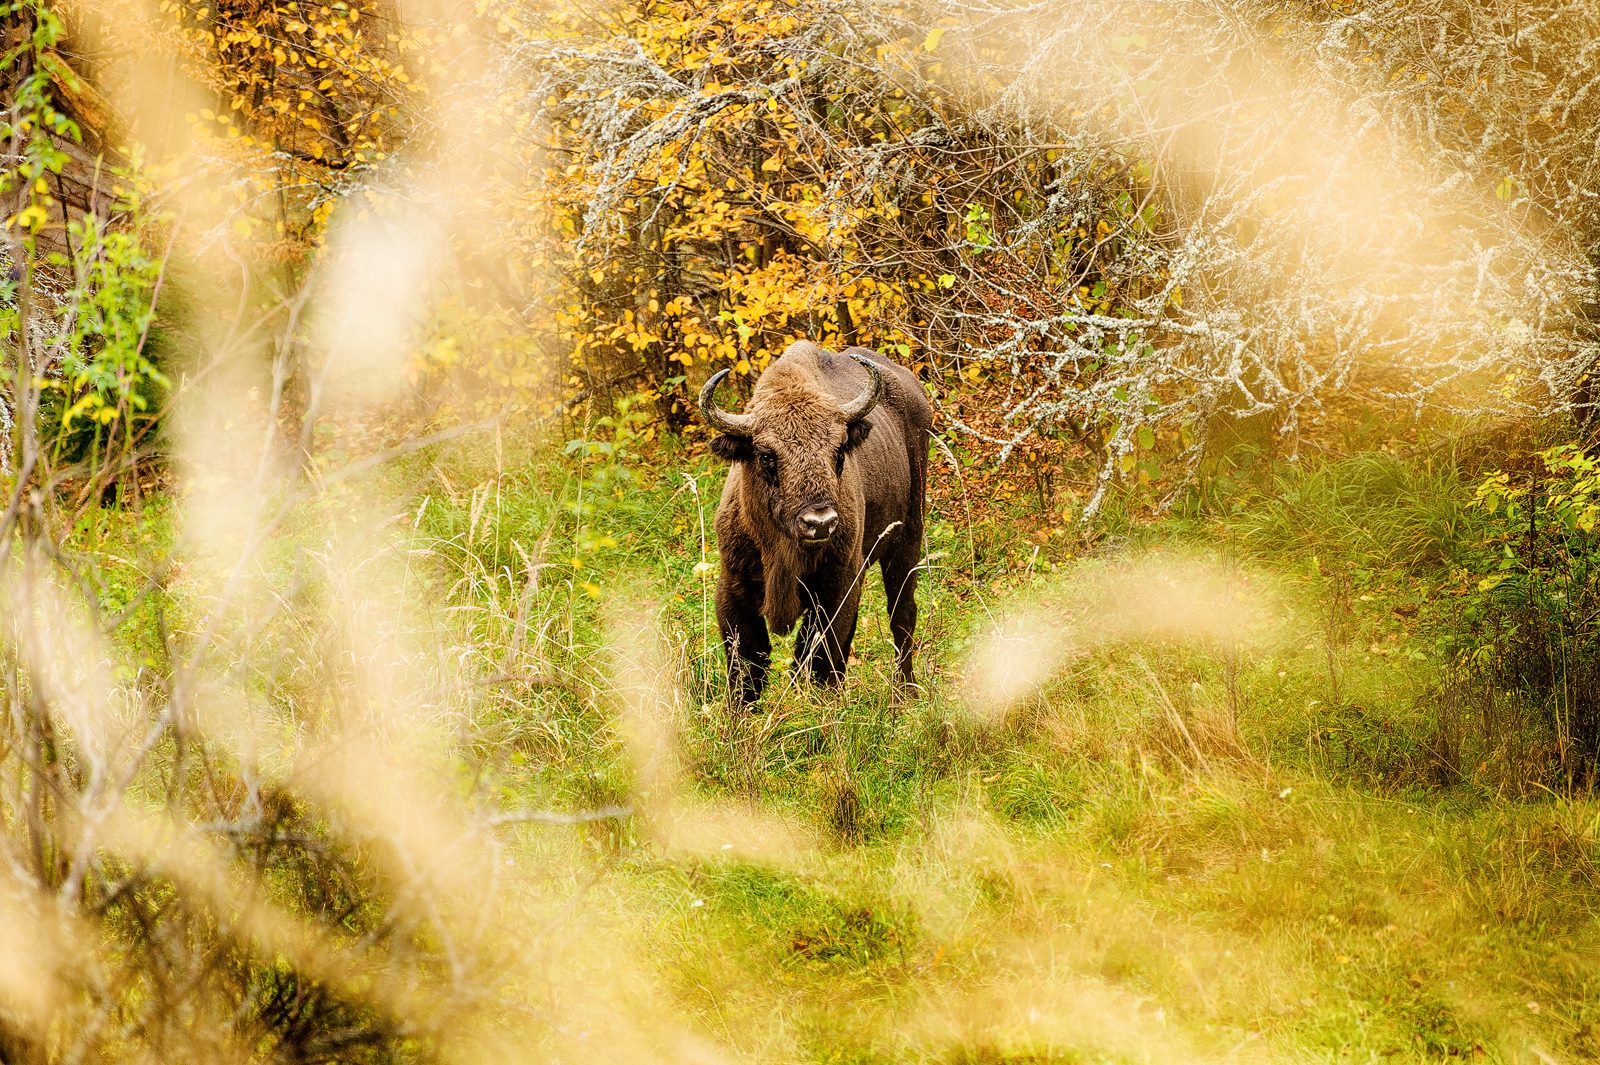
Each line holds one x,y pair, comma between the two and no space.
931,41
32,217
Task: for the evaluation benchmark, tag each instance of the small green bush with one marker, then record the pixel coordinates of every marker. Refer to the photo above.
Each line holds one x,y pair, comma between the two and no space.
1525,650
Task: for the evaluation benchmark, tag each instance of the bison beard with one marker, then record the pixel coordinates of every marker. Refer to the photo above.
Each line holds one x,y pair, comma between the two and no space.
829,465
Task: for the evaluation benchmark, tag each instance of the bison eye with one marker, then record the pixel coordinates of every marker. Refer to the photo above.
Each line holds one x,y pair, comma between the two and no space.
838,462
769,464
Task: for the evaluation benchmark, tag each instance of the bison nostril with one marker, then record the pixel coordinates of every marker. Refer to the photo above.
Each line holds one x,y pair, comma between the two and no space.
819,522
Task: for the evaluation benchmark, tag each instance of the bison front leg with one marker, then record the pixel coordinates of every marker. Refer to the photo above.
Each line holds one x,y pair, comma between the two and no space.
745,640
833,603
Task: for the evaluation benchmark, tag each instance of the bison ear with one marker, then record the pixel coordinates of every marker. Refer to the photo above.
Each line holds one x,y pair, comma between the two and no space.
856,435
733,448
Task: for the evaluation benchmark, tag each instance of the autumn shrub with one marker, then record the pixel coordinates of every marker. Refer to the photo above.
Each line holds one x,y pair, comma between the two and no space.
79,290
112,365
1102,234
1524,677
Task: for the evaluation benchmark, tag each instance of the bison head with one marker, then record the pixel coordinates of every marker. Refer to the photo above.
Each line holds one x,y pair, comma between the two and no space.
793,441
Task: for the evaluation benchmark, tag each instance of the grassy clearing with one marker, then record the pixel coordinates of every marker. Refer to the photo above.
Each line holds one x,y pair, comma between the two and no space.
1208,838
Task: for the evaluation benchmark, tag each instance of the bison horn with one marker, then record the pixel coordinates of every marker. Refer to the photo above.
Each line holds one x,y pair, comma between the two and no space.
862,405
716,417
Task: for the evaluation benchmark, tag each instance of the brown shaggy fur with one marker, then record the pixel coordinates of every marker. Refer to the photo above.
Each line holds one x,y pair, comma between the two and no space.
872,473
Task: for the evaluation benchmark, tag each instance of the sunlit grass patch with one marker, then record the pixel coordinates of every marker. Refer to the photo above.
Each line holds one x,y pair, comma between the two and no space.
1190,833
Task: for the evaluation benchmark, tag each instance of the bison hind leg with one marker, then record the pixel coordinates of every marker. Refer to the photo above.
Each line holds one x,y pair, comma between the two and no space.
899,569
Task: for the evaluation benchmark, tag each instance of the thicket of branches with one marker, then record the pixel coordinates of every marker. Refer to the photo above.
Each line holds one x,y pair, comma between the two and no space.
1100,231
1125,221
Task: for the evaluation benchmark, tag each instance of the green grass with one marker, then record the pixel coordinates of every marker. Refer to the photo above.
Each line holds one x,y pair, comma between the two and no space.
1173,849
1293,889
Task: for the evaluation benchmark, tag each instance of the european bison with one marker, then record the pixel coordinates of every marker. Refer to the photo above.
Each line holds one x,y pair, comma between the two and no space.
829,462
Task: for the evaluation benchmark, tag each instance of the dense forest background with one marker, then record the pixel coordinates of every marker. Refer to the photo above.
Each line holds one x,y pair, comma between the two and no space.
1102,235
362,701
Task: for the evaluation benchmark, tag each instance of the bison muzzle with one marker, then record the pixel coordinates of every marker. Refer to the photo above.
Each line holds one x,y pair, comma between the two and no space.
829,466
